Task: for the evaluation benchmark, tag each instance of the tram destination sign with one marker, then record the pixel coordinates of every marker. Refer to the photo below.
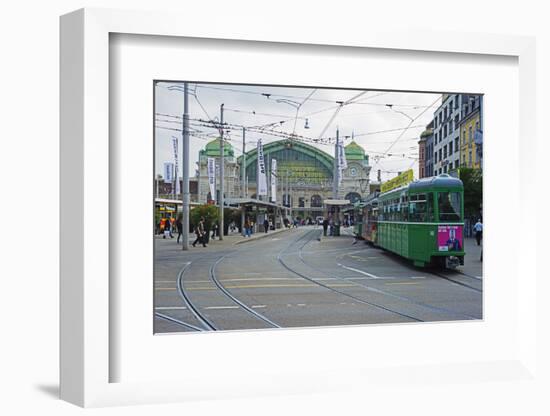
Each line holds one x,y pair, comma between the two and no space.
400,180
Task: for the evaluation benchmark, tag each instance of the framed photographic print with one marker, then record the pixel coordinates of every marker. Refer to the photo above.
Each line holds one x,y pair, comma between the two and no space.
286,213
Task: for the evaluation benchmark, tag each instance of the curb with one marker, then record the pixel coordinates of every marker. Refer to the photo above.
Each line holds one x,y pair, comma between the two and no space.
264,235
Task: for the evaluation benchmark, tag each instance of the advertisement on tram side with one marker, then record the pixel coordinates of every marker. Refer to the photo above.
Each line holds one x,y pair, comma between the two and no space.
449,237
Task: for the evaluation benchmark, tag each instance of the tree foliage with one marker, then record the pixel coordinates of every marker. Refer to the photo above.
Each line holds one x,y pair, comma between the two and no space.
473,191
209,212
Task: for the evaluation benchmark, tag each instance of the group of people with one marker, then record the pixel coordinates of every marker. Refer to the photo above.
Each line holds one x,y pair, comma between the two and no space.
166,226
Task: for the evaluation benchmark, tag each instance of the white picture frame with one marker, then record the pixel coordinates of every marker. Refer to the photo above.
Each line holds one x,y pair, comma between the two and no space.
86,305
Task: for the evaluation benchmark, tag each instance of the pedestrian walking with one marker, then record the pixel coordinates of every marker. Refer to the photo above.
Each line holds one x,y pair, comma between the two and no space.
167,229
214,230
266,225
325,227
179,227
478,228
199,232
247,228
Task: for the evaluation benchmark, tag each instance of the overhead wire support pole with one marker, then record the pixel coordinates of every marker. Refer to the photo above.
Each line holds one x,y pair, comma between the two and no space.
222,163
336,172
185,168
243,181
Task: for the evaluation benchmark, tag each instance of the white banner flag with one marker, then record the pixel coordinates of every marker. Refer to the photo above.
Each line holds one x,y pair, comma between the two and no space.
273,180
175,147
261,176
168,172
342,162
212,177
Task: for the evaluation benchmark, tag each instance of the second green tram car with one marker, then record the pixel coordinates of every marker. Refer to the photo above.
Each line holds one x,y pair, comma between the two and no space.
422,221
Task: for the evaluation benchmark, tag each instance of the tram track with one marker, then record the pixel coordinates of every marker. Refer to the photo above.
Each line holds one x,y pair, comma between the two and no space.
442,276
340,292
235,299
406,264
380,291
178,322
206,322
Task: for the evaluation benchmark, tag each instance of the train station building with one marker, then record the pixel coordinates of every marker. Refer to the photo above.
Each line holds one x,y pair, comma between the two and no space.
304,175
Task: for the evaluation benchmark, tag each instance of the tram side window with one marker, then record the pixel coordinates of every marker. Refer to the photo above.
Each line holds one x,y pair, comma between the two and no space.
449,206
417,208
430,215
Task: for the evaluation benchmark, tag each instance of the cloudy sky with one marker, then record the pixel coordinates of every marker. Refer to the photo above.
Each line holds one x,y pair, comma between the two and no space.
386,124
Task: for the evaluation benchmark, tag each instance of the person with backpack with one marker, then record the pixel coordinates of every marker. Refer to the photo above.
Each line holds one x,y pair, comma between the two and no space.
199,232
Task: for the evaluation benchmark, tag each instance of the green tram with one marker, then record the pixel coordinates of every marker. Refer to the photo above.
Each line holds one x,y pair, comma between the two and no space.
421,221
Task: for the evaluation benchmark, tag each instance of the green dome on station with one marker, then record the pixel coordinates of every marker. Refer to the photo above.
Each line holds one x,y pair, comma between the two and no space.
354,152
212,149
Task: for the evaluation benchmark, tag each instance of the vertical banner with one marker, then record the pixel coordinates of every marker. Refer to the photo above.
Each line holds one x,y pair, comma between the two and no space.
342,162
211,167
176,189
261,175
273,180
168,172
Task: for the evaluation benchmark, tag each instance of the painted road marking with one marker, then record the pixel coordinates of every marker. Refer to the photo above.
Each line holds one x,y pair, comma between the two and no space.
268,286
169,308
258,306
222,307
359,271
300,304
258,278
402,283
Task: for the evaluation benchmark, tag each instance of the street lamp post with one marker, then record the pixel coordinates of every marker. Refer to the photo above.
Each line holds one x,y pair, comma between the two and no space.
222,162
185,168
185,203
243,182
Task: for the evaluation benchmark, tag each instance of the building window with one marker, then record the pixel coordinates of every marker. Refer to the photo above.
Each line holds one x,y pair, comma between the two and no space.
451,147
470,159
445,130
456,164
470,136
463,137
445,151
435,157
456,144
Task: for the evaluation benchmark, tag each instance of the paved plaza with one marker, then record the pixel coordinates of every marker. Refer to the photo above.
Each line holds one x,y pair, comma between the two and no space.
298,278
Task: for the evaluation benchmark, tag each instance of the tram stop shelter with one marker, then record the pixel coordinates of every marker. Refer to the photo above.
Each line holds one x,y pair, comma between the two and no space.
333,209
258,210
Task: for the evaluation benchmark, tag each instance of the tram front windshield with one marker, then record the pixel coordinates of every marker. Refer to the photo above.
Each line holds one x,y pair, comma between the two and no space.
449,206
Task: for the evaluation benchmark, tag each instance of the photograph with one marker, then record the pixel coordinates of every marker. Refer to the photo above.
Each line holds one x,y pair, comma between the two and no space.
281,206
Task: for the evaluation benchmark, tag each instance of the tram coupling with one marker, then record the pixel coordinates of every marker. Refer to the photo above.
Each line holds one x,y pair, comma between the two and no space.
452,262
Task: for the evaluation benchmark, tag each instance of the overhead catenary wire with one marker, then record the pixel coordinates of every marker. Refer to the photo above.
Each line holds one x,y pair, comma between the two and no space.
280,128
